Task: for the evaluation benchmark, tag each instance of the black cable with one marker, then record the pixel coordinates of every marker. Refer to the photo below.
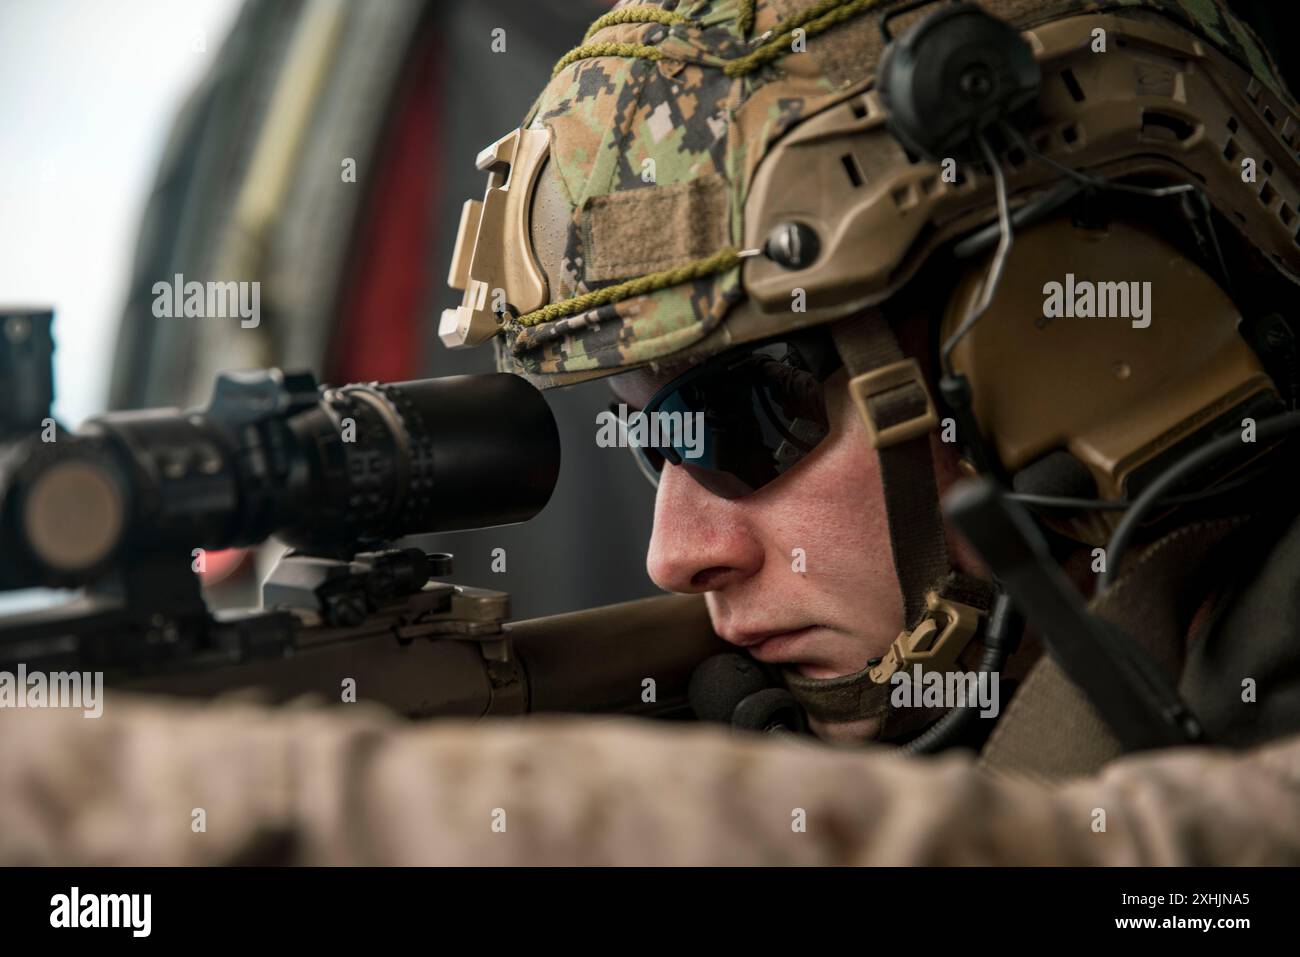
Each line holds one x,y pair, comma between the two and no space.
1101,505
994,275
1270,428
1024,215
1100,182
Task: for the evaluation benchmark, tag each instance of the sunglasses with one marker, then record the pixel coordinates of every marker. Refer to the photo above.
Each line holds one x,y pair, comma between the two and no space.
741,420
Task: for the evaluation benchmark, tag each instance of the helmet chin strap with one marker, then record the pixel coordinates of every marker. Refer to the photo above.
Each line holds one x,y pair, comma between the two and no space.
942,609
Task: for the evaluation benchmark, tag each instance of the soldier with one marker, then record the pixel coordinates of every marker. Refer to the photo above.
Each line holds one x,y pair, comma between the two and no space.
1032,256
866,248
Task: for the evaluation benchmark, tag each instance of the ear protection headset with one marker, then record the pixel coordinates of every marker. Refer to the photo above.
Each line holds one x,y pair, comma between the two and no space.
1078,415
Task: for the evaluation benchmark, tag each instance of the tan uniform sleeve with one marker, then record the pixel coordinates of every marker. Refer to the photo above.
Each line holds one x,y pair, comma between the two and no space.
152,783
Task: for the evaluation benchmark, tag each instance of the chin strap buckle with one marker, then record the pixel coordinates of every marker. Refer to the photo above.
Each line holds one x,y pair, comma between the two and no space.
935,643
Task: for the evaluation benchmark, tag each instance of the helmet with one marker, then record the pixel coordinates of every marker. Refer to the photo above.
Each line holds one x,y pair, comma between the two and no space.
710,173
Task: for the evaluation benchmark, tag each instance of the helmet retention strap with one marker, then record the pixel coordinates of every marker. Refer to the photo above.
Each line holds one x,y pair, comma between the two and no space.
895,405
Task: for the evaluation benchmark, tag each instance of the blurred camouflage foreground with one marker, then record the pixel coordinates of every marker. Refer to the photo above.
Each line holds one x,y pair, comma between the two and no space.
314,786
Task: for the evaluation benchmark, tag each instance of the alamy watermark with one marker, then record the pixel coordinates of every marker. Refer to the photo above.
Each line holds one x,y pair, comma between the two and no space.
950,689
212,300
1084,299
683,431
74,909
82,690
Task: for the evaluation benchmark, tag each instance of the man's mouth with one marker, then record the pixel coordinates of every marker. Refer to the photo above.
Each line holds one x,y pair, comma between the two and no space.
775,647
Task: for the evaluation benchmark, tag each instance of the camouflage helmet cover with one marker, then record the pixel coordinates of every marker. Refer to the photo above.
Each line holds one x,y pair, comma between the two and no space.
657,125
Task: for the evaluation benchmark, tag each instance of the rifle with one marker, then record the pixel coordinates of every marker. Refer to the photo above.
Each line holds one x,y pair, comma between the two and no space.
125,508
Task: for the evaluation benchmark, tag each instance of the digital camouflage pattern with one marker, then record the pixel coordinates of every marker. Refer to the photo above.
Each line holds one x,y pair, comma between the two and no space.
686,111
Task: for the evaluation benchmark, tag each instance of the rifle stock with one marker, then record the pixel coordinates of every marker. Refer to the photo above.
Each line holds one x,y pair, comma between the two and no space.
594,660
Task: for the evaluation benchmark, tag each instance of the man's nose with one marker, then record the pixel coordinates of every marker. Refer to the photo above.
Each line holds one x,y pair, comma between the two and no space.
700,542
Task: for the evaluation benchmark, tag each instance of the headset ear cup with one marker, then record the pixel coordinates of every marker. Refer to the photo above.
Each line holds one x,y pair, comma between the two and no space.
951,76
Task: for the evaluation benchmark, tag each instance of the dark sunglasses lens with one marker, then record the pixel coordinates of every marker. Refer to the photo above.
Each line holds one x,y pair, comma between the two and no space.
761,413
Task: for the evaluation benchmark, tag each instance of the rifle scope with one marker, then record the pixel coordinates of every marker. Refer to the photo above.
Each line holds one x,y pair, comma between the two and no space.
325,470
